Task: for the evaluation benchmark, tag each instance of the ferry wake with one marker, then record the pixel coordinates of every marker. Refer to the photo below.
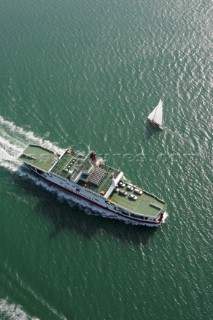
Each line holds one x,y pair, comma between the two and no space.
89,178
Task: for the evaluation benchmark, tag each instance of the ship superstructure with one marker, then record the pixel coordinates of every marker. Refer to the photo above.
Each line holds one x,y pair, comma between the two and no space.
91,179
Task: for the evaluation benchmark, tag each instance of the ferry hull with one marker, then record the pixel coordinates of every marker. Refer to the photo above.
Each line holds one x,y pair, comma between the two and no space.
115,214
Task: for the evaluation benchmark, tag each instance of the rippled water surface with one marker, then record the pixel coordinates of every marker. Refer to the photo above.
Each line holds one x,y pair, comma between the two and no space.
87,74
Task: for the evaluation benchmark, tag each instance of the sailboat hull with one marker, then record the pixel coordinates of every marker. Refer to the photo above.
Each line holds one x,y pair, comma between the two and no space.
155,125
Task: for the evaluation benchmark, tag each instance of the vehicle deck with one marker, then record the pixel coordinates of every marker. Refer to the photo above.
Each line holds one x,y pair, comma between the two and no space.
141,205
39,157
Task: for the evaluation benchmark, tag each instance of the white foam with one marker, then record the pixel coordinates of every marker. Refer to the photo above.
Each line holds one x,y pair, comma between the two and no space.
10,146
13,311
21,137
13,140
165,216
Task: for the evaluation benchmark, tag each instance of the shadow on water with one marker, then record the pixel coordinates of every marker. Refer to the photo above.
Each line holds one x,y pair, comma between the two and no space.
67,216
151,131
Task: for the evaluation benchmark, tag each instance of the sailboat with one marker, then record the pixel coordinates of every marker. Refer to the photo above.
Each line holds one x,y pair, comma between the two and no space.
156,116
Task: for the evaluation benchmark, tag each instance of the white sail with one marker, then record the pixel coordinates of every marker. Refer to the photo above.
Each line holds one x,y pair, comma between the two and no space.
156,116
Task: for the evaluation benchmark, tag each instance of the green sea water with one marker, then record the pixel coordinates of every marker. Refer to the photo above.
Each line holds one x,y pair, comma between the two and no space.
87,74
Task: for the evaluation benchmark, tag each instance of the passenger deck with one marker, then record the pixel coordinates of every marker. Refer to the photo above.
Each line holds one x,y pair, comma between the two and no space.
103,186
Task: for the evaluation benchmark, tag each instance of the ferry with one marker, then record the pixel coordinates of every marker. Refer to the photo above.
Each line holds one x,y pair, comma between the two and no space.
87,177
